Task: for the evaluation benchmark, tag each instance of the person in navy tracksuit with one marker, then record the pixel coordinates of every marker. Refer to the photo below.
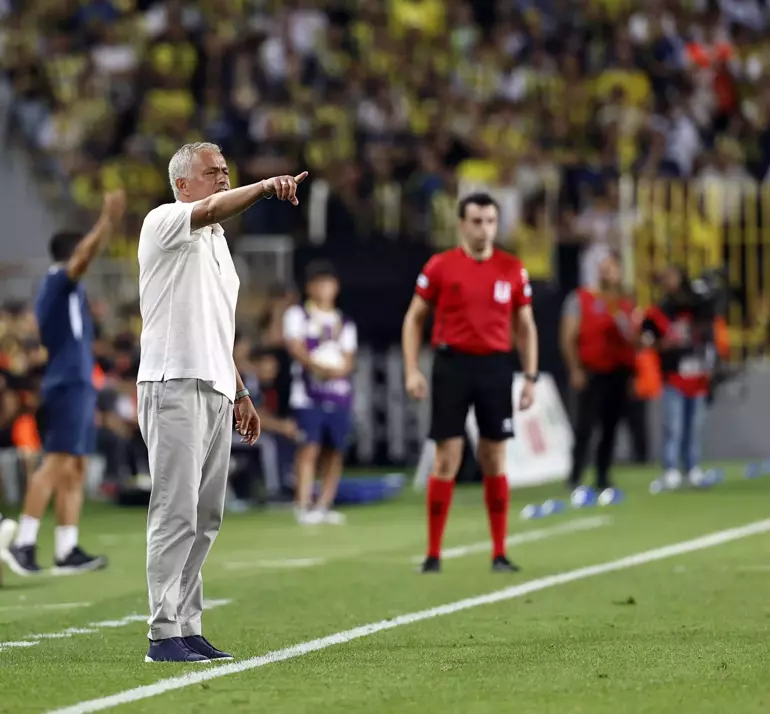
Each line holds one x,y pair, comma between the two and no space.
68,401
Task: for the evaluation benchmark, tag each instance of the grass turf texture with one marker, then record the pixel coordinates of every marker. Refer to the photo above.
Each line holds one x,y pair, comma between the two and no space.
687,634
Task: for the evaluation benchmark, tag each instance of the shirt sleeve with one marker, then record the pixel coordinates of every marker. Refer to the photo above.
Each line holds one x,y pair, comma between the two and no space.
349,338
428,280
170,225
294,324
57,283
523,294
571,307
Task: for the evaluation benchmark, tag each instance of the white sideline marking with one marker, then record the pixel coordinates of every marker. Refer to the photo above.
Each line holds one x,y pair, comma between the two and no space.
187,680
753,569
288,563
46,606
583,524
92,628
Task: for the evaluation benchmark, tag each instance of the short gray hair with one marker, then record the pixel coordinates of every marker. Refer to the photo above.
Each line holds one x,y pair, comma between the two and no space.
179,166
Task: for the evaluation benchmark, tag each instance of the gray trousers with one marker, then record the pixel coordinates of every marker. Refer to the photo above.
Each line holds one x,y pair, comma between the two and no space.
187,427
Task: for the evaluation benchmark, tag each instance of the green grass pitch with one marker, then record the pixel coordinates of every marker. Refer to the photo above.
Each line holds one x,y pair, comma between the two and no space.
688,634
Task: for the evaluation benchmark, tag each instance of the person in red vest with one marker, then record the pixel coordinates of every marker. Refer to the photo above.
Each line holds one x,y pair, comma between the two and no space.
598,346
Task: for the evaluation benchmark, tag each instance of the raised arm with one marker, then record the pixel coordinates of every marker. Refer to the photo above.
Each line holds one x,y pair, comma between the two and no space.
87,249
221,206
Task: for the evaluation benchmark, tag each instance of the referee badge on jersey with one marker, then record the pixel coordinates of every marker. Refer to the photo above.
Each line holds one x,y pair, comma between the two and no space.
502,292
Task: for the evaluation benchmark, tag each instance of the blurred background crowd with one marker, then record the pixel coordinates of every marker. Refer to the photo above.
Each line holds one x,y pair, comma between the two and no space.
392,102
393,106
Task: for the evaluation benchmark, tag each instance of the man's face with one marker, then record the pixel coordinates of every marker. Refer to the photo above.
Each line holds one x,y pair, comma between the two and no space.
671,281
267,369
609,272
208,175
479,226
323,289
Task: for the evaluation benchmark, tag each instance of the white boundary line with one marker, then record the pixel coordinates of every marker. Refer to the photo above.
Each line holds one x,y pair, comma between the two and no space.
91,628
580,524
45,606
531,536
288,563
187,680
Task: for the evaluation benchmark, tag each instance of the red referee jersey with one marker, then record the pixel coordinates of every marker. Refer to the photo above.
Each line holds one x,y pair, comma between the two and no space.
474,301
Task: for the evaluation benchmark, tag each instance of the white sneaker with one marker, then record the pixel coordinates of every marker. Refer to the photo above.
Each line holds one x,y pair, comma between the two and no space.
7,532
657,486
309,518
696,476
333,518
672,479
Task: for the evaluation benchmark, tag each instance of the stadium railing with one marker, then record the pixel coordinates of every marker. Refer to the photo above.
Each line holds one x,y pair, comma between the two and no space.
703,225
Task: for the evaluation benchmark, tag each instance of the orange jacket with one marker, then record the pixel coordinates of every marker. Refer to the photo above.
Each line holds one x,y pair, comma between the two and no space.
649,378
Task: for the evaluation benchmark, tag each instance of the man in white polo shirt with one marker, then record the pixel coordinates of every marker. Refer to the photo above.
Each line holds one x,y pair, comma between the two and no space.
189,386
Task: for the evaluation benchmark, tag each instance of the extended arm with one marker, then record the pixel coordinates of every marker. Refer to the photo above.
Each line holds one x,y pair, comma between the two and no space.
228,204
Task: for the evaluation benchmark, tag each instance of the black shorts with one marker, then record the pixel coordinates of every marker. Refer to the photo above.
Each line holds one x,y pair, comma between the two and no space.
461,381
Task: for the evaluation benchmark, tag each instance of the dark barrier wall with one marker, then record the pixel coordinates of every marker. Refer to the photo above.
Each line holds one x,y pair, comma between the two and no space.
378,282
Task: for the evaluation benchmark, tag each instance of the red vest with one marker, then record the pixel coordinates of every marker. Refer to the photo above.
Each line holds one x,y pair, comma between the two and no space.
602,345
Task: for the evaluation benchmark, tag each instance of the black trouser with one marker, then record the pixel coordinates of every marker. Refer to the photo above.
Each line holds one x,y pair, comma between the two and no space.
636,421
602,402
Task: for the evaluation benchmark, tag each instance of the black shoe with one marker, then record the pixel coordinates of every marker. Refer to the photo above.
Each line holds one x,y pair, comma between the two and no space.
173,649
431,564
199,644
78,561
501,564
21,559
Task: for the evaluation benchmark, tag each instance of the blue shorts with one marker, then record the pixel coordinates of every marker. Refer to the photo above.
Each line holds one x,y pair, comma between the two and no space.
327,427
68,419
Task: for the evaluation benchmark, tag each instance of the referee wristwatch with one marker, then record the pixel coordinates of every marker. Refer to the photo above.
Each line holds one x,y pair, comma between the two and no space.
532,377
242,394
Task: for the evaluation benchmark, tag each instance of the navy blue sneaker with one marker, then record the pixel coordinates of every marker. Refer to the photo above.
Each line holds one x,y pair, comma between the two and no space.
21,559
199,644
78,561
173,649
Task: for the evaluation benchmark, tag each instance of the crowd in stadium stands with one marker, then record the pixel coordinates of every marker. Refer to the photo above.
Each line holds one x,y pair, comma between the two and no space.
393,102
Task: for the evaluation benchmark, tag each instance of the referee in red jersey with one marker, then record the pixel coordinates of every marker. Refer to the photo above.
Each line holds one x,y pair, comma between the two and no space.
478,293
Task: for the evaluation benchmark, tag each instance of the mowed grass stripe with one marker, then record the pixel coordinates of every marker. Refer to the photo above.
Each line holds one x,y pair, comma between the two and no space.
516,591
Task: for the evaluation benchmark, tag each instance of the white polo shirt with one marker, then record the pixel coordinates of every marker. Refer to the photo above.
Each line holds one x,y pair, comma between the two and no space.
188,290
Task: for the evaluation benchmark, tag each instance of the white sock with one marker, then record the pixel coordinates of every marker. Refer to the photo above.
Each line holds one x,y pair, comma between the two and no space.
65,539
27,534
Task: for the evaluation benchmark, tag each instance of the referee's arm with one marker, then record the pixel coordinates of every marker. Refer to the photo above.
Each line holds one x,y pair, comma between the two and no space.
526,339
411,340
